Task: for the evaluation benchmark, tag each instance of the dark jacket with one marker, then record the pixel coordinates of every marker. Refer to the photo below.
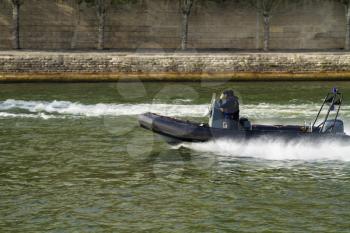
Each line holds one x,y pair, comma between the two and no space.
230,105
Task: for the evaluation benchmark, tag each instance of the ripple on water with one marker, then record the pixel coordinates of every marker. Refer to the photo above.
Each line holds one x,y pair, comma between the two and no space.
89,167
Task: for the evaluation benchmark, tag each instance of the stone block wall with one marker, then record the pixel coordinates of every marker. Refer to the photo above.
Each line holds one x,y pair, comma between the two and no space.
83,62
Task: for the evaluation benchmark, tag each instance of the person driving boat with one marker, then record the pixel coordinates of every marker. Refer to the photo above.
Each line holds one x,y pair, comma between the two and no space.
229,106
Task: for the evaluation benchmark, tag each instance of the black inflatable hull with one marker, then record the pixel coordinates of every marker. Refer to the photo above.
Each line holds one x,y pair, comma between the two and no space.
175,130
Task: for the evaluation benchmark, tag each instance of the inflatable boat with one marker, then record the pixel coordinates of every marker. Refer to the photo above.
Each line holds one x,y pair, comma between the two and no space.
177,131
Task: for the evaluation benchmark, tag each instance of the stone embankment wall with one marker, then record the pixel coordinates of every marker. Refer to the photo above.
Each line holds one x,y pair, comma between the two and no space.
156,24
83,66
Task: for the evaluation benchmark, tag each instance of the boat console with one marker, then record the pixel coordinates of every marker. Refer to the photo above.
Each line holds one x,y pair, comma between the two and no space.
217,120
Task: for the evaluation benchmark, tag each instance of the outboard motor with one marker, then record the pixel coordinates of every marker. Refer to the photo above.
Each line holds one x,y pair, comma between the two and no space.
331,126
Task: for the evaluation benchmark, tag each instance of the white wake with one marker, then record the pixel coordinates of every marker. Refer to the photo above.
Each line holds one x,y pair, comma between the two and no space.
28,115
269,149
260,113
176,109
101,109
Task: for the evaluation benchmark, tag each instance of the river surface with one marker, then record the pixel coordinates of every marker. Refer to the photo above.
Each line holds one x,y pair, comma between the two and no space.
73,159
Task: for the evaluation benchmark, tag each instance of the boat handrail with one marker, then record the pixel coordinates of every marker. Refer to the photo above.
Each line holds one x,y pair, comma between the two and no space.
334,99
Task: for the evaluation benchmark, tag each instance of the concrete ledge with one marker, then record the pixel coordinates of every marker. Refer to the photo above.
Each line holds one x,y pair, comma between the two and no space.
28,66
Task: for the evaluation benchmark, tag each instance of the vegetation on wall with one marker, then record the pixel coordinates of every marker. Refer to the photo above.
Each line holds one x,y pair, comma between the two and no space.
16,4
346,4
185,8
102,6
265,8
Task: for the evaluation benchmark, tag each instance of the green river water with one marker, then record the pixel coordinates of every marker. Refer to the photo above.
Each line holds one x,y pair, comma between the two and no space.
73,159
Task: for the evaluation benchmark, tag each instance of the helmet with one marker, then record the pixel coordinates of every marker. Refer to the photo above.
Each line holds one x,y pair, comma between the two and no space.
229,92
